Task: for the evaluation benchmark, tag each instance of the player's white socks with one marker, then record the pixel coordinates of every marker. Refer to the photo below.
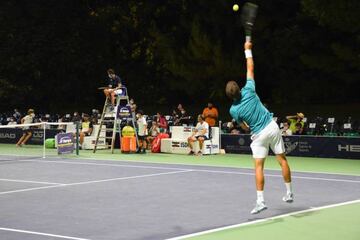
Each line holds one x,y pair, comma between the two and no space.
288,187
260,196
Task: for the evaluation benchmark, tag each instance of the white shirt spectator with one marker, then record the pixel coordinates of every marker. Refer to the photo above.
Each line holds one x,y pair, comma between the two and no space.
286,132
154,131
200,127
142,126
12,122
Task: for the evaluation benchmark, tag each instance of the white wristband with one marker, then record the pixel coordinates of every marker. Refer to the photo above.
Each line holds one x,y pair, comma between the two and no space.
248,53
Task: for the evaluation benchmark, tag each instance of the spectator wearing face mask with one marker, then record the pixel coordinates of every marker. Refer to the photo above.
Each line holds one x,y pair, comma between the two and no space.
27,133
211,114
76,117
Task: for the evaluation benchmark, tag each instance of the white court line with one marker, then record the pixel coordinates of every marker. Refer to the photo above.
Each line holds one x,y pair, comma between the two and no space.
26,181
214,166
195,170
106,164
94,181
190,165
41,234
262,220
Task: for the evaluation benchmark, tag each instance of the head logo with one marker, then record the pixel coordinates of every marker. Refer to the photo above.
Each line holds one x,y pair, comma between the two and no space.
8,135
289,147
349,148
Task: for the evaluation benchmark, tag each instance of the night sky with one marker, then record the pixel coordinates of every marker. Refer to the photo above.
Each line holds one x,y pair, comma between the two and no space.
54,54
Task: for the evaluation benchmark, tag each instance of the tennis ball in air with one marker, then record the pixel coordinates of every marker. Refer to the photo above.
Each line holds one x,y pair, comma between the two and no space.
235,7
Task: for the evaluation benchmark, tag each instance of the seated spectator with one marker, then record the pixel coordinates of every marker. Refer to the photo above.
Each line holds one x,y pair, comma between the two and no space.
86,128
153,132
62,127
298,129
211,114
76,117
161,122
183,118
201,133
17,115
285,131
175,116
298,118
11,121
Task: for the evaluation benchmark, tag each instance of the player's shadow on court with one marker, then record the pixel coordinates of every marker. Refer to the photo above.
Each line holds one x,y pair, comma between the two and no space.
277,220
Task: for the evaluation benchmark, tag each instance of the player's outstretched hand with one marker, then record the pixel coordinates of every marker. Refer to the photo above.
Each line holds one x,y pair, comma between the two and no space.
248,45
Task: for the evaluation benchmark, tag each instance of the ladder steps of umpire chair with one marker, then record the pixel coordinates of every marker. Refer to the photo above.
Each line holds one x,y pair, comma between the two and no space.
111,118
103,121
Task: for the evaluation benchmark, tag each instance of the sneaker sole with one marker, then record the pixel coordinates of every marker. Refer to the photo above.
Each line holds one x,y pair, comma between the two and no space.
260,210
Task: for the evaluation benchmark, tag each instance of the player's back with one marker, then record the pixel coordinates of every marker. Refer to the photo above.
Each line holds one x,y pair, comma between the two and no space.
250,109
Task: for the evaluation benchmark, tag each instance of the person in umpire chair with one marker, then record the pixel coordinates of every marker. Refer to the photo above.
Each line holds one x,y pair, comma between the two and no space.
114,83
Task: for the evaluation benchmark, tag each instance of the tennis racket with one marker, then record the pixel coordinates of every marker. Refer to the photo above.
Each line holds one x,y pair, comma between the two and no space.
248,17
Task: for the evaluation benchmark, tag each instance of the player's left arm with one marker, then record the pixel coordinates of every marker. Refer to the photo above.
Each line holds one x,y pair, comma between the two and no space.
249,60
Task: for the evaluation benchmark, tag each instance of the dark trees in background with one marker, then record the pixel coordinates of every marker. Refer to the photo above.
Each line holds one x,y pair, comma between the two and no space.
54,54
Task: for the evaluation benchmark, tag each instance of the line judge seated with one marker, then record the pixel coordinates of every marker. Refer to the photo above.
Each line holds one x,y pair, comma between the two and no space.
114,83
201,133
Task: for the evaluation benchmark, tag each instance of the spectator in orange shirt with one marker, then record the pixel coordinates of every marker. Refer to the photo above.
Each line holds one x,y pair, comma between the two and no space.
211,114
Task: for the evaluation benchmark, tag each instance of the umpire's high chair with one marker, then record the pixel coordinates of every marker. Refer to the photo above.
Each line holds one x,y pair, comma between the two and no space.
112,118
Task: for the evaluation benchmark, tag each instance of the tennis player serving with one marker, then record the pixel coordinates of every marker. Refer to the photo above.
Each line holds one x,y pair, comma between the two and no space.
250,113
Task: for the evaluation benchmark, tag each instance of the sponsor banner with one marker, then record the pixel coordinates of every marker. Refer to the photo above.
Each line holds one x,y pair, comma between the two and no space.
12,135
65,143
124,111
306,146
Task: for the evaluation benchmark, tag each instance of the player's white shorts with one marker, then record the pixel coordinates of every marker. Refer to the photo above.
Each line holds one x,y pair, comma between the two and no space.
270,136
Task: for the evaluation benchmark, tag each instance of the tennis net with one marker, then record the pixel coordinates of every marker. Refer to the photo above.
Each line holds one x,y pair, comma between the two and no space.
37,140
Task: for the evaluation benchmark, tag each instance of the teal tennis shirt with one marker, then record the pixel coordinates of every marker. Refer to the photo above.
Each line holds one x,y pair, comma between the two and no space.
250,109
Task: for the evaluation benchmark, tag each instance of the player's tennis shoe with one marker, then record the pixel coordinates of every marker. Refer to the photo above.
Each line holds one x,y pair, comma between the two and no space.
289,198
260,206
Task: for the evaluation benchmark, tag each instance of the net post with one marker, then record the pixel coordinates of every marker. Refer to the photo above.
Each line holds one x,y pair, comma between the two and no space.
77,138
44,138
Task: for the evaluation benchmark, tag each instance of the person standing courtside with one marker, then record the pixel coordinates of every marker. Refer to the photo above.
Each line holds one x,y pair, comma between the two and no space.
114,83
249,112
211,114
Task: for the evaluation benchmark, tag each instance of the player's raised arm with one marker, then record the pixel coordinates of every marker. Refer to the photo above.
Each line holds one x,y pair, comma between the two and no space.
249,60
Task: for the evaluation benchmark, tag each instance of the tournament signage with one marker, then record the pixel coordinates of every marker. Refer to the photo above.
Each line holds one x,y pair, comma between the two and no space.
12,135
124,111
65,143
306,146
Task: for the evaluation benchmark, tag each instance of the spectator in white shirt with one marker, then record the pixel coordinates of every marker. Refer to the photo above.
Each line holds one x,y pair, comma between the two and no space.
12,121
142,131
285,130
201,133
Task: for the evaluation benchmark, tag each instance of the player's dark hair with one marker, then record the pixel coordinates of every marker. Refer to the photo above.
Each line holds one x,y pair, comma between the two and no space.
110,71
232,90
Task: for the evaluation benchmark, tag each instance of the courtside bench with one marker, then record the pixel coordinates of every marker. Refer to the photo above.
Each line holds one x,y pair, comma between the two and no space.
178,142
